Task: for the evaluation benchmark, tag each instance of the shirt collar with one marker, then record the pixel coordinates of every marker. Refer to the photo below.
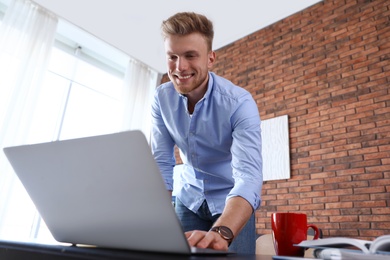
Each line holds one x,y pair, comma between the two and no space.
209,86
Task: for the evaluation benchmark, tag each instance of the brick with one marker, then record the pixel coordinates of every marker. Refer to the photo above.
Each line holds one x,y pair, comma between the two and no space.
335,154
380,119
287,196
384,148
328,212
339,205
269,186
371,107
364,204
288,208
355,184
365,163
384,161
367,176
354,197
321,151
327,226
298,166
319,219
328,199
323,187
350,172
309,171
381,211
349,159
339,178
323,139
276,202
380,183
300,201
359,115
380,168
373,233
344,233
364,151
346,218
322,175
355,211
377,155
278,191
363,139
341,134
340,145
312,206
310,182
375,218
335,167
369,190
381,227
309,148
355,225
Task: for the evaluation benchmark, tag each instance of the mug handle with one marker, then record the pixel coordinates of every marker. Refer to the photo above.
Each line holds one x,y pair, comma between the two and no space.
316,231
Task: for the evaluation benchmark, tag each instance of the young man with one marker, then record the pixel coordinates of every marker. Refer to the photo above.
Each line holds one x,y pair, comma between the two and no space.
216,126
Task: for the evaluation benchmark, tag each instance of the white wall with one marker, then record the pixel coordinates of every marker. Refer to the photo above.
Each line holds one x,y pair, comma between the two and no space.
134,26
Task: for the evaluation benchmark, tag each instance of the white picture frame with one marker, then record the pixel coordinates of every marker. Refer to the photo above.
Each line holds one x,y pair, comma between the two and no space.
275,148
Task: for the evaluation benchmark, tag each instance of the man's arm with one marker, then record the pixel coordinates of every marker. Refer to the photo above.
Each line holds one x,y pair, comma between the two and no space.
235,215
162,144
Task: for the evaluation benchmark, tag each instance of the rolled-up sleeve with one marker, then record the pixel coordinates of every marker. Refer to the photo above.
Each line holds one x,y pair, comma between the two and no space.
247,162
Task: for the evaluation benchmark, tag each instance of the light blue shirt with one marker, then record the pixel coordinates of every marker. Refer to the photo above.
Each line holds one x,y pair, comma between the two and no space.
220,144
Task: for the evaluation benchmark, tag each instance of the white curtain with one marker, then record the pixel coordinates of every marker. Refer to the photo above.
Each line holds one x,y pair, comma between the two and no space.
26,39
140,83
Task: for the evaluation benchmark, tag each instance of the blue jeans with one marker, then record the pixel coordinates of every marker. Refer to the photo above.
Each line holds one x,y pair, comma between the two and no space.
244,243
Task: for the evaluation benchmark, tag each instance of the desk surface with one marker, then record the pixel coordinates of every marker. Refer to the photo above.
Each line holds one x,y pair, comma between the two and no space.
20,250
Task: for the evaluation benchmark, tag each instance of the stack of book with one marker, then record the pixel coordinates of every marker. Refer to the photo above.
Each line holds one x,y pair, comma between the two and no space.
343,248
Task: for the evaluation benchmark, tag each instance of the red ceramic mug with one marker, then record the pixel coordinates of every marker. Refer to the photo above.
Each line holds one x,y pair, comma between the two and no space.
288,229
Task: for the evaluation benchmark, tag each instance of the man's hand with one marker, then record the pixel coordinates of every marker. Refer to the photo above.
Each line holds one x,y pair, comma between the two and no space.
236,213
204,239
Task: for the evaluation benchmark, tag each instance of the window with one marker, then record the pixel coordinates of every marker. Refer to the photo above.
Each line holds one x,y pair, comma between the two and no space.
81,95
78,99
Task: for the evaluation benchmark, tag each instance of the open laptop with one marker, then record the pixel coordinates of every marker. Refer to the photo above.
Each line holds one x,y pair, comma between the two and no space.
103,190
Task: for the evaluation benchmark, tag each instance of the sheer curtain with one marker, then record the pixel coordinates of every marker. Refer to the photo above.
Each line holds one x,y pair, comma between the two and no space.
26,39
140,83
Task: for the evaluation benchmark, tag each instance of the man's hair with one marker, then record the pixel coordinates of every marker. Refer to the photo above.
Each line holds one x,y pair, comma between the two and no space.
186,23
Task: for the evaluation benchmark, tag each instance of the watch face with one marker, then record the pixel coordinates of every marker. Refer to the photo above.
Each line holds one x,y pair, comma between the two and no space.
225,232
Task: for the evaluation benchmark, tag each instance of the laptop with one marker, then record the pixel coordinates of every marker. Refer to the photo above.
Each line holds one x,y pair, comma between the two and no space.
105,191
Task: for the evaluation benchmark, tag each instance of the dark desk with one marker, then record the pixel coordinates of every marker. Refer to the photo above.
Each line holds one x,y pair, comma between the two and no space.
19,250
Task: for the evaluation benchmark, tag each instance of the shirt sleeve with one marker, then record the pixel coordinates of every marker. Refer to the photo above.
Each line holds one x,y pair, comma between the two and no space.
247,162
162,144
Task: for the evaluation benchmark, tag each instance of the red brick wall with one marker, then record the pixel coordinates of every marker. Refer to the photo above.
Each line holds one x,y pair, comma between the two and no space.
328,69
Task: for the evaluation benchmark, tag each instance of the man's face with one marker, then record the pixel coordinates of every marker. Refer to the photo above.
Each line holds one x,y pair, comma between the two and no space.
189,61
